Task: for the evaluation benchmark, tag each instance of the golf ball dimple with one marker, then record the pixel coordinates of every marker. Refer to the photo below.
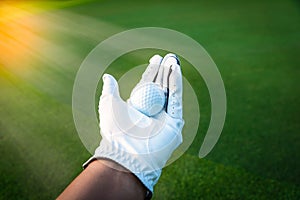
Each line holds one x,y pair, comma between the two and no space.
148,98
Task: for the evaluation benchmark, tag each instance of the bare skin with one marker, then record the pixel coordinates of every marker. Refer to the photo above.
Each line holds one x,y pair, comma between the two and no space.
104,179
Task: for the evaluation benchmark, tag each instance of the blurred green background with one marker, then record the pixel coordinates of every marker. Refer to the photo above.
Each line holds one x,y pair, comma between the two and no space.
255,44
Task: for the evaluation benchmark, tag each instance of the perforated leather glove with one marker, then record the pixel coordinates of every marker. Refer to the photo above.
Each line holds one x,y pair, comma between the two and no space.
140,143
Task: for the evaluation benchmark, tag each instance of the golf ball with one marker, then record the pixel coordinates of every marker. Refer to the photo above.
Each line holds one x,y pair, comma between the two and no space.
148,98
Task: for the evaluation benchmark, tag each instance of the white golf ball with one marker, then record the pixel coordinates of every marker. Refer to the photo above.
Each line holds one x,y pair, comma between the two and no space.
148,98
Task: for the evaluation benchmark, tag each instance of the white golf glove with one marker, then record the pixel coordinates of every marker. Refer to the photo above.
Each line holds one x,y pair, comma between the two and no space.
140,143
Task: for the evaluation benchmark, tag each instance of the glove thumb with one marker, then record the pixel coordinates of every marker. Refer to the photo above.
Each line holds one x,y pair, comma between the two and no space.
110,86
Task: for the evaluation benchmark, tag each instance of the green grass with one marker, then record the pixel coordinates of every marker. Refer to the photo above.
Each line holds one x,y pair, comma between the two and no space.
255,45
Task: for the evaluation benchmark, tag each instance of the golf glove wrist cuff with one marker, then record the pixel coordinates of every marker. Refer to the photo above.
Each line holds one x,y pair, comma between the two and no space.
107,151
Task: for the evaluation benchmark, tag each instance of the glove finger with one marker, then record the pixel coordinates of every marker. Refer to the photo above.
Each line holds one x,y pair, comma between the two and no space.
110,86
168,62
152,69
158,79
174,106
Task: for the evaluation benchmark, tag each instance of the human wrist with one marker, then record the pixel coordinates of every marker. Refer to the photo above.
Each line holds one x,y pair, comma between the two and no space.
119,178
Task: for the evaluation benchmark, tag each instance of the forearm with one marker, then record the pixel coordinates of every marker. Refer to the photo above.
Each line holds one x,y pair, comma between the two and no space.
104,179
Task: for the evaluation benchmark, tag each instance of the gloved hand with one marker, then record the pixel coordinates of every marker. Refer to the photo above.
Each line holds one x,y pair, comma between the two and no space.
140,143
